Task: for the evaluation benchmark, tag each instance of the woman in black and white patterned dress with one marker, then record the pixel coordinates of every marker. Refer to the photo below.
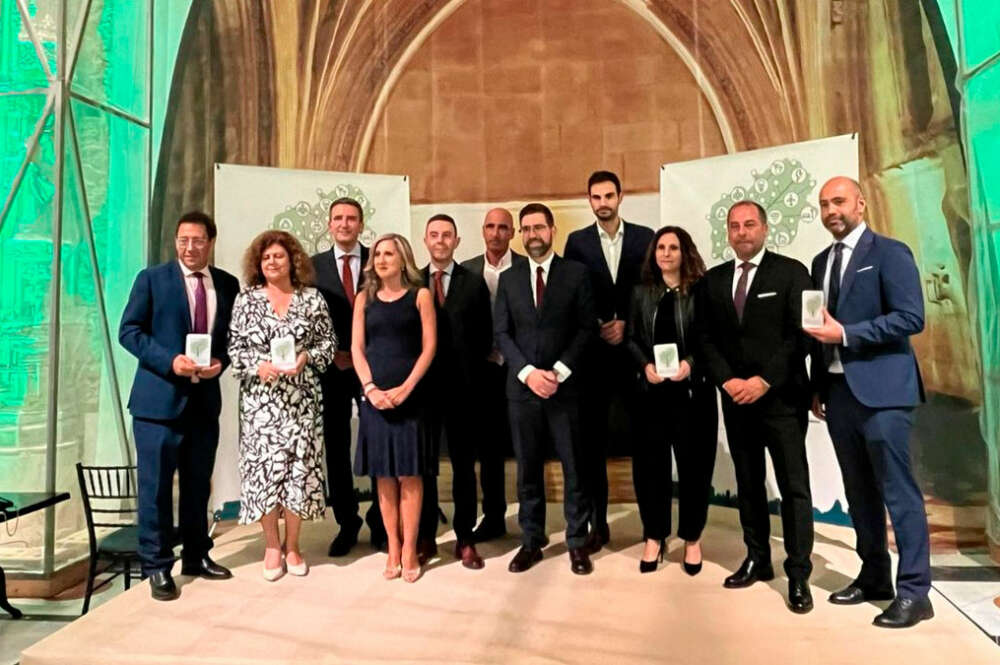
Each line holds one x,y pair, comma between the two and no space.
281,410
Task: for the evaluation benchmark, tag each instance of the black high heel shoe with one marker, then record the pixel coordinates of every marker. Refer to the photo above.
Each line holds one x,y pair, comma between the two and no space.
691,569
650,566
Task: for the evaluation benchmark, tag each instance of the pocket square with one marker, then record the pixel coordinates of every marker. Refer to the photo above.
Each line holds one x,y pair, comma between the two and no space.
767,295
865,268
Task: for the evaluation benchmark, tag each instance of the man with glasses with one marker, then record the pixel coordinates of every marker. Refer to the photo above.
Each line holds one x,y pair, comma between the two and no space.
175,403
544,321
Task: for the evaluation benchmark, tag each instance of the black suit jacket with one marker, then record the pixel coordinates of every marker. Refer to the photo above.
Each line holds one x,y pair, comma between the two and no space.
464,330
769,342
611,298
329,284
154,327
560,331
477,263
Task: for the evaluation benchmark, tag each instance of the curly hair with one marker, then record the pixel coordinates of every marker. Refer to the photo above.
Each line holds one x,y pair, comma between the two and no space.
411,277
692,265
301,269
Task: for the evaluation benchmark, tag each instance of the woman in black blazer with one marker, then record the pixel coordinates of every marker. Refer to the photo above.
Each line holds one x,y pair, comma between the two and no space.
678,412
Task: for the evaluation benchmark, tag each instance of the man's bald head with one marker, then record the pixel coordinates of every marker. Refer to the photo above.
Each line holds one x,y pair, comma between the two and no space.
498,229
841,205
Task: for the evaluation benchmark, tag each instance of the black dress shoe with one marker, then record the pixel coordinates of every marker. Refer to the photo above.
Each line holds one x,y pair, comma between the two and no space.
346,538
905,612
427,549
162,586
855,595
750,571
489,529
597,538
800,599
524,559
206,568
579,561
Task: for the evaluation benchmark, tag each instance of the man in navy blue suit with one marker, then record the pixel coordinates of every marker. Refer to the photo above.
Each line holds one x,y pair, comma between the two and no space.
866,385
175,404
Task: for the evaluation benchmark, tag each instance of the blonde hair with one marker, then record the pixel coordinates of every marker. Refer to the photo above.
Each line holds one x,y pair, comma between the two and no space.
410,277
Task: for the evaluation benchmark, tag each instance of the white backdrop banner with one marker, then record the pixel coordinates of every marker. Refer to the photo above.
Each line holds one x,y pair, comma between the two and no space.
253,199
696,196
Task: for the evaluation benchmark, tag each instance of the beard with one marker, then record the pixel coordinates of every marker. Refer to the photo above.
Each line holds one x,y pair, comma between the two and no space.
537,249
605,213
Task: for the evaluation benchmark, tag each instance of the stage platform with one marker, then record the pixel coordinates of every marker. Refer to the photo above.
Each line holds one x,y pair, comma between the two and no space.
344,612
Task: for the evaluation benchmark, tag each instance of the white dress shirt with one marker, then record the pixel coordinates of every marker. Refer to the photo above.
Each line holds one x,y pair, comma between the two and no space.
445,278
562,371
191,283
612,247
491,273
850,241
753,271
355,260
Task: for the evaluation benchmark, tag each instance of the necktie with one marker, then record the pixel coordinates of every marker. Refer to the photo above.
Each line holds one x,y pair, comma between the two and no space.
439,286
834,289
348,278
539,287
200,305
740,297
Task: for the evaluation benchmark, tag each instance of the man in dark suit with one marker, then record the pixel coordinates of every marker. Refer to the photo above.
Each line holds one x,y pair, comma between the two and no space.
465,337
339,279
755,351
175,404
494,438
612,250
544,321
867,383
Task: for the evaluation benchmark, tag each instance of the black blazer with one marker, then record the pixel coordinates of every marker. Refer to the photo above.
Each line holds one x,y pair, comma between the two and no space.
560,331
464,329
154,326
477,263
329,284
769,342
611,298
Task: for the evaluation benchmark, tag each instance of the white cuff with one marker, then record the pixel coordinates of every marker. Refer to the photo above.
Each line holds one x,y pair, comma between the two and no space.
562,372
843,336
522,376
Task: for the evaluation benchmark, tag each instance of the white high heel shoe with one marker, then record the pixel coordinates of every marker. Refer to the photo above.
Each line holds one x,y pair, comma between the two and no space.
299,570
273,574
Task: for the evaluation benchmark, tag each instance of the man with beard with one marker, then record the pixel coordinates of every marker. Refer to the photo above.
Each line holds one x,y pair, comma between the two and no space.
494,438
866,384
612,250
544,321
464,338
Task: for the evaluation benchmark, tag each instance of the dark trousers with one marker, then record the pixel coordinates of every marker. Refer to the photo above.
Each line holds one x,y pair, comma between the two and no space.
532,421
493,439
457,427
186,446
751,429
675,417
872,447
341,390
607,412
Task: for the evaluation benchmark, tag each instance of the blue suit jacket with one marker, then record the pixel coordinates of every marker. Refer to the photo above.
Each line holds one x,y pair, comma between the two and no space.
154,325
880,306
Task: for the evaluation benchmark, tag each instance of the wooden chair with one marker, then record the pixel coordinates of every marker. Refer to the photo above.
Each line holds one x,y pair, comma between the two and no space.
107,492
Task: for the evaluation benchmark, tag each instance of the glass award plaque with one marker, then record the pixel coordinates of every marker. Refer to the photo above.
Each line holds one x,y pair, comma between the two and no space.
283,352
198,347
667,361
812,309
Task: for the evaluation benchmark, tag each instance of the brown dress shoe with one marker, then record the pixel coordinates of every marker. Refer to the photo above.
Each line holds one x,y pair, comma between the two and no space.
469,556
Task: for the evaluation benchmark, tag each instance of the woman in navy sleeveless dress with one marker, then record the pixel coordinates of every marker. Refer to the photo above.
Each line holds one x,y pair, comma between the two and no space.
393,342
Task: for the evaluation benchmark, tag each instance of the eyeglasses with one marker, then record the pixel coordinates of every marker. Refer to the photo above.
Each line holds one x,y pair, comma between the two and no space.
197,243
533,230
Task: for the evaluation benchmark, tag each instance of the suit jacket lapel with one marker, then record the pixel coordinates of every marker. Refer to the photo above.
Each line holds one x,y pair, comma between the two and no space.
336,284
179,294
857,256
594,240
628,242
726,286
221,299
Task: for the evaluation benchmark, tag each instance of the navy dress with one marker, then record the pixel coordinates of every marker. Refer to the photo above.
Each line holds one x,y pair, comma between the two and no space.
394,442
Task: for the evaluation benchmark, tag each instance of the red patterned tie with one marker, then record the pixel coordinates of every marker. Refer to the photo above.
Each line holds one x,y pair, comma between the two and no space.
348,279
539,287
439,286
200,305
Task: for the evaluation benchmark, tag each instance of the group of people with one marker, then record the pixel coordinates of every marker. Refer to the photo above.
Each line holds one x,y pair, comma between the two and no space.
533,351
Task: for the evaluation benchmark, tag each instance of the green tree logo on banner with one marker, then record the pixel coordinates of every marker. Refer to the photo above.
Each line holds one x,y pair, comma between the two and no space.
783,189
308,221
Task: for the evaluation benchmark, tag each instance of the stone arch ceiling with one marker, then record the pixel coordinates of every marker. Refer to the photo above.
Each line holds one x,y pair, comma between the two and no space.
295,84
